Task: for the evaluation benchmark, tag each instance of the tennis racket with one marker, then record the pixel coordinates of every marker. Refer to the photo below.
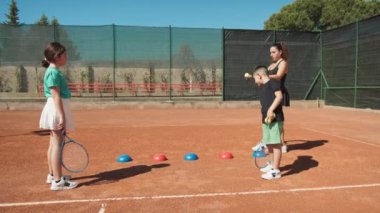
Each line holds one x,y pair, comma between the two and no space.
74,156
261,157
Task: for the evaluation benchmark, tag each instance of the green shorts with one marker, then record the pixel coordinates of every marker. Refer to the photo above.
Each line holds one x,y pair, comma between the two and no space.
272,133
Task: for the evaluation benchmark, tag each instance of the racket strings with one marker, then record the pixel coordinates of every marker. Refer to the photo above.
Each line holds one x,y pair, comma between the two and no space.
262,162
74,157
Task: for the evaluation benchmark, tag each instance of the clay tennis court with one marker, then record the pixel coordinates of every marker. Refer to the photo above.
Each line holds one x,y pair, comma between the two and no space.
332,166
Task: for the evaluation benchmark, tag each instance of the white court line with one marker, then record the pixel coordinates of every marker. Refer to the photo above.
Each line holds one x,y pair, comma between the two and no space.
343,137
191,195
102,208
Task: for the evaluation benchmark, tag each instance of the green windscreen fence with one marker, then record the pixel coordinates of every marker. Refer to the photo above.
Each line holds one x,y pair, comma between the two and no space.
115,61
351,64
340,66
20,57
246,49
142,60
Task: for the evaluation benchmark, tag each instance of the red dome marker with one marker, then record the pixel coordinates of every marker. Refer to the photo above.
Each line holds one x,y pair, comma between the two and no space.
226,155
160,157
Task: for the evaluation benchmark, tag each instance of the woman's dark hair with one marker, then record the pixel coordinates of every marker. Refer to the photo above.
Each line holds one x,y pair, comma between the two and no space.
52,51
282,47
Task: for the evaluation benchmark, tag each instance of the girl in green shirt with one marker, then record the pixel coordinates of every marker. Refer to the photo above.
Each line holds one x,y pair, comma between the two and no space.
56,115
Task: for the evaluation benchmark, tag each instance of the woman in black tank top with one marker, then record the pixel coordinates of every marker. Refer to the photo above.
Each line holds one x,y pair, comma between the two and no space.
278,70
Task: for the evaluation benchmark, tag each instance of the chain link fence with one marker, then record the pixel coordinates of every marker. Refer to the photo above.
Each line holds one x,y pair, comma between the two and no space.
339,66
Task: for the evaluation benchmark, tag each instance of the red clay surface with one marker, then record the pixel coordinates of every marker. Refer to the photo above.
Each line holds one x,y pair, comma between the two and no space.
333,163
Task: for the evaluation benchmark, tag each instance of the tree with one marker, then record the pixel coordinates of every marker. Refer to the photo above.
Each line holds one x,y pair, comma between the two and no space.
22,79
349,12
12,17
44,21
61,35
312,15
192,69
36,38
55,33
13,33
54,22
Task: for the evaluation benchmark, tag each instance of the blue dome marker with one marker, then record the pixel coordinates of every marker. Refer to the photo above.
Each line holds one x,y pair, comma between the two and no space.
124,158
191,156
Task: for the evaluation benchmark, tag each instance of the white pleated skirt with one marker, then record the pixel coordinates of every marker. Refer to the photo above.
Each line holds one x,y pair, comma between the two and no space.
49,116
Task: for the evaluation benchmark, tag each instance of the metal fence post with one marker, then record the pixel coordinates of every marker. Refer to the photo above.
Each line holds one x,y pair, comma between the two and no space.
170,62
223,64
114,61
321,63
356,63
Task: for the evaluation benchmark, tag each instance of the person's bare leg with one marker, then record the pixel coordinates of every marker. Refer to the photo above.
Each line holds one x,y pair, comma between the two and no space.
55,153
49,155
284,147
276,156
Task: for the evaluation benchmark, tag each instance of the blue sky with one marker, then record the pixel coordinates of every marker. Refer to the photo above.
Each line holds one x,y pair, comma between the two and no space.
234,14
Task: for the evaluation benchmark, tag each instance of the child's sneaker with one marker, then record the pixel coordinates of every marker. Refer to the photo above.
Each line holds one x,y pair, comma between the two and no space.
267,168
50,178
63,184
272,174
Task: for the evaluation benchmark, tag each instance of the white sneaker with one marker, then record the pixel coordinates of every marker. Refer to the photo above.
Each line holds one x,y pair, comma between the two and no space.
63,184
259,146
284,149
50,178
272,174
267,168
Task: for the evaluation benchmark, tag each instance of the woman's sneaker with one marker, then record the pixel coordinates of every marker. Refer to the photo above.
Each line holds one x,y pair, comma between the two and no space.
50,178
284,149
272,174
63,184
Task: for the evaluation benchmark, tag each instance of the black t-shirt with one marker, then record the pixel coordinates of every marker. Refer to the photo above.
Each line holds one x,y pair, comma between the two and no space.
267,97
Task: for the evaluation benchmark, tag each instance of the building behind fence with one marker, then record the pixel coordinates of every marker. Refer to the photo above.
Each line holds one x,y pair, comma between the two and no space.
340,66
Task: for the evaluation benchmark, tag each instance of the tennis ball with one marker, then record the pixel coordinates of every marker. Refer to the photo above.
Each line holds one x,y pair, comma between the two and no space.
269,119
247,75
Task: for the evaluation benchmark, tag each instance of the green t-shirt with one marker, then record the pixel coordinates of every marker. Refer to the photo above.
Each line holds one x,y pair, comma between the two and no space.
54,78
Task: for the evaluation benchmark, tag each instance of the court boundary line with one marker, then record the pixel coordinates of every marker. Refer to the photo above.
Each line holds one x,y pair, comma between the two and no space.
342,137
187,196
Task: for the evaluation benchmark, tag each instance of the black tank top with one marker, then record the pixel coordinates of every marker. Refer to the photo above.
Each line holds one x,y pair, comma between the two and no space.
286,98
274,72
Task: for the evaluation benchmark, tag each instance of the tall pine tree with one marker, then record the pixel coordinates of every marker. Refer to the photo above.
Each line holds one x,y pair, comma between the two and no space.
12,17
43,20
12,35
